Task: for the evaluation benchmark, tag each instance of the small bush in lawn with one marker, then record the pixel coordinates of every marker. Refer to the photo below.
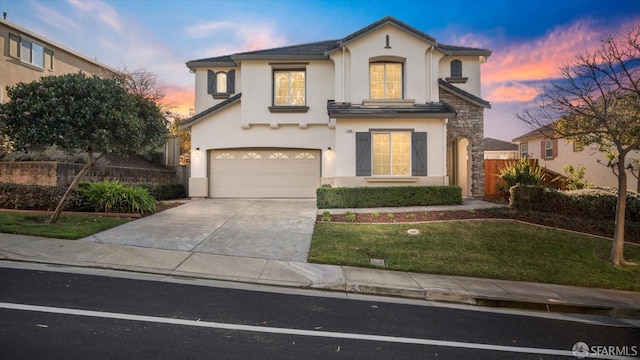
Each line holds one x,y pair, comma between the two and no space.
114,196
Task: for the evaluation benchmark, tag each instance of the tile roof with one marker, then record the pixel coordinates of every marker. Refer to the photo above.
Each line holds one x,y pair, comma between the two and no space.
217,107
343,110
547,131
491,144
320,50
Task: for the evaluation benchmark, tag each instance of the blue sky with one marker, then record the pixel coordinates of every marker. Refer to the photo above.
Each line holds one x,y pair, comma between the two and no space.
529,39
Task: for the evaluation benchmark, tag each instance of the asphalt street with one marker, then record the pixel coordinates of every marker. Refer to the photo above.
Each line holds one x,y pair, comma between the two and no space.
61,315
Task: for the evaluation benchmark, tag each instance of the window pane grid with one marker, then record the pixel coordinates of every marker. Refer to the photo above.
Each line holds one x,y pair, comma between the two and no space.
385,81
289,88
391,153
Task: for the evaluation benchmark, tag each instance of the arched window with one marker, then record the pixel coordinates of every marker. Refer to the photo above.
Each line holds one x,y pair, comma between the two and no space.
456,69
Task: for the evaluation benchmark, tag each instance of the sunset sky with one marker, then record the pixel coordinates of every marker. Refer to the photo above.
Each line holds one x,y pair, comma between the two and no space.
529,39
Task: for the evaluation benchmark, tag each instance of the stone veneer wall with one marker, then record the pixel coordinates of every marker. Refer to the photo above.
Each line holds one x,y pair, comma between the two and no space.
469,123
47,173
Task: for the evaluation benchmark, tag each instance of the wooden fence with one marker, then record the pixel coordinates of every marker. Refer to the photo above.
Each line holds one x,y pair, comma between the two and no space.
494,185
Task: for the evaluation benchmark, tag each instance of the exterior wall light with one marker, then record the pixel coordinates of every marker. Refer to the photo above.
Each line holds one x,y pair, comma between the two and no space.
197,151
329,151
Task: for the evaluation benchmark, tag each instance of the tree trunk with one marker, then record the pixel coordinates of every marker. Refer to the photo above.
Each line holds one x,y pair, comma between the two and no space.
74,185
617,251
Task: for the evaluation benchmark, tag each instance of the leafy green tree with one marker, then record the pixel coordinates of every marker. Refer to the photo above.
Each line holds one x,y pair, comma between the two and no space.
596,100
79,113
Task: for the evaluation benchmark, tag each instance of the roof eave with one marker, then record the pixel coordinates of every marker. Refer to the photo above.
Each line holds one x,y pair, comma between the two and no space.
339,115
196,64
280,57
204,114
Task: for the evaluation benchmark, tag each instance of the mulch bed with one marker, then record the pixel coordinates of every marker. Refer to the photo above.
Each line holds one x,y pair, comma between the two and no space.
596,227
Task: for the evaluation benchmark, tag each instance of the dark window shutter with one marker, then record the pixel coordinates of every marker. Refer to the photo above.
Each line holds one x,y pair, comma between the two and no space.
231,82
419,154
363,154
543,151
555,148
211,82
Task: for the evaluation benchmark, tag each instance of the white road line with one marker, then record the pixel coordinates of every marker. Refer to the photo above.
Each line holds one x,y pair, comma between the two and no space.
285,331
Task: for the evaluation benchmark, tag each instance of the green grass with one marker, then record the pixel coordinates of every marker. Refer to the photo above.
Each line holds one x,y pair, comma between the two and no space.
68,226
487,249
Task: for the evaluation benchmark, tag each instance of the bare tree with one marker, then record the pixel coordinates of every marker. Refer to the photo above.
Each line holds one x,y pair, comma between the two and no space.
596,100
142,82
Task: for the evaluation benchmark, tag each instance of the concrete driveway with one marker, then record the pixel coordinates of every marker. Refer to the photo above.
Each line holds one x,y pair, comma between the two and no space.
267,229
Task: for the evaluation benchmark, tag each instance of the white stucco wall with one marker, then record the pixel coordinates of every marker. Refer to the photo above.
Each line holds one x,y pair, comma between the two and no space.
344,159
373,45
258,97
470,70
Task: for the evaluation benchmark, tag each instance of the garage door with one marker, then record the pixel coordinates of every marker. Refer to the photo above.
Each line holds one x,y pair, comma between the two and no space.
264,173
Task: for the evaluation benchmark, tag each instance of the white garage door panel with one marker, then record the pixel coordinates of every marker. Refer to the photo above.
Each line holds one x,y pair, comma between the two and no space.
264,173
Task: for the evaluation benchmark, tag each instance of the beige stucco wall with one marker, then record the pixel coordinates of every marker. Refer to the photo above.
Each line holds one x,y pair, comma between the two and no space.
13,71
596,173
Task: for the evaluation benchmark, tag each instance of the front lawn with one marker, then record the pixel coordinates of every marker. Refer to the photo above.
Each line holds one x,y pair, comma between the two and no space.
487,249
68,226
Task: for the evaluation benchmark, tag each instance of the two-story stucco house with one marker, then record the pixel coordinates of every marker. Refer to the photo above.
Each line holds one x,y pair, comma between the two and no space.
386,105
554,154
27,56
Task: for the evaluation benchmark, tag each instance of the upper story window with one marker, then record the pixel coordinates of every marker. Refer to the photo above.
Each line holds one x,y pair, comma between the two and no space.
456,68
456,72
30,52
221,84
385,80
289,88
548,149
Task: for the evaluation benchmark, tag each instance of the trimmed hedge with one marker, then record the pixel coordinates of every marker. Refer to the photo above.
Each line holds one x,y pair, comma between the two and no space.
36,197
392,196
599,203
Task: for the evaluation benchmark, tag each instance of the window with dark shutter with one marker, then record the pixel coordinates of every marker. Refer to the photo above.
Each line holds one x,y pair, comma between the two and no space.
221,84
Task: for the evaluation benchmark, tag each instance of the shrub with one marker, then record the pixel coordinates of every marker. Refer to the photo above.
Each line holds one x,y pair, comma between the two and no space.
393,196
351,217
597,203
36,197
522,172
326,216
165,191
114,196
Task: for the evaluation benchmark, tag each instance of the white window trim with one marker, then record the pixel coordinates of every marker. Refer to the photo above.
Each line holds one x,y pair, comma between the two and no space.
402,80
548,146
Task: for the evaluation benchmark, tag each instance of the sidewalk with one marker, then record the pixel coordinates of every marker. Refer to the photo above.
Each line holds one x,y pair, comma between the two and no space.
453,289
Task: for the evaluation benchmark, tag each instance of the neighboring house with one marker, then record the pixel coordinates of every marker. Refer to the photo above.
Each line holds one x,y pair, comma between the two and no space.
499,150
385,105
554,154
27,56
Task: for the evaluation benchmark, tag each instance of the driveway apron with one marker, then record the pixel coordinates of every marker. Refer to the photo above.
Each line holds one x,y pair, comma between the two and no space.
275,229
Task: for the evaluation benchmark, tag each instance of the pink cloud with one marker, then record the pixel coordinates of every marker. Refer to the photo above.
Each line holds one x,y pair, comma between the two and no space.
510,69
